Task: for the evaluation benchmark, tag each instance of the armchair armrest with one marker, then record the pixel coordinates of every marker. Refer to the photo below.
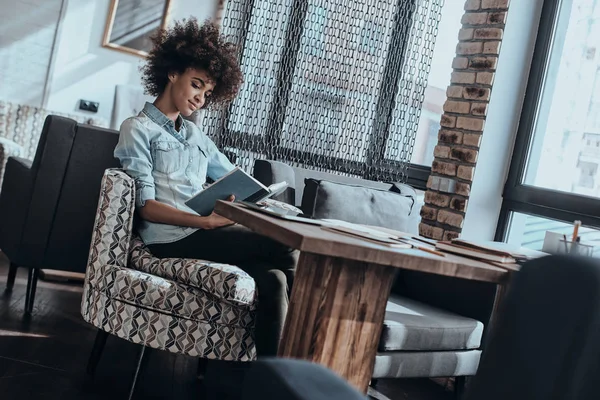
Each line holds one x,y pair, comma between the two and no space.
14,205
223,281
113,224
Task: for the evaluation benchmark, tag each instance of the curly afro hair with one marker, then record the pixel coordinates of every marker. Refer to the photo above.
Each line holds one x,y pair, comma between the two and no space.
190,45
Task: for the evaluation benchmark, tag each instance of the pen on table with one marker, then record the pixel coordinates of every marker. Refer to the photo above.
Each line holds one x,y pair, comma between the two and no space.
566,247
576,226
425,249
437,253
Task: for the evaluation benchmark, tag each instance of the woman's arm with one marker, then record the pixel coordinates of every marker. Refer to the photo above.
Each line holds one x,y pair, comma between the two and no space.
155,211
133,151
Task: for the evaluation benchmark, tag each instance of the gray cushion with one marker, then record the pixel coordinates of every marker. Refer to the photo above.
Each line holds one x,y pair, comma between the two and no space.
417,364
357,204
302,174
415,326
269,172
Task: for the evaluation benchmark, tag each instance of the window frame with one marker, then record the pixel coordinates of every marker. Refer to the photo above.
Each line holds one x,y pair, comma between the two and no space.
415,175
528,199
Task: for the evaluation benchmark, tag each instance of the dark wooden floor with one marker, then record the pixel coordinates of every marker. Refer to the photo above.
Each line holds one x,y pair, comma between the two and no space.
44,356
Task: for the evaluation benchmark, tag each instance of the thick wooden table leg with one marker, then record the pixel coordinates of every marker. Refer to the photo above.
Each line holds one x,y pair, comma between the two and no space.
336,314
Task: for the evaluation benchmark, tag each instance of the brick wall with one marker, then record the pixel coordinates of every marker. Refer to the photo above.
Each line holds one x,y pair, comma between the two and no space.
463,121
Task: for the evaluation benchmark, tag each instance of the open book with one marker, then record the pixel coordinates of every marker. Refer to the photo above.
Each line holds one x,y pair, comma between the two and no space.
238,183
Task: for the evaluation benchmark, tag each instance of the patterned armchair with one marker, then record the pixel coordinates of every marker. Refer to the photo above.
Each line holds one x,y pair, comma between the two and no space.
21,126
193,307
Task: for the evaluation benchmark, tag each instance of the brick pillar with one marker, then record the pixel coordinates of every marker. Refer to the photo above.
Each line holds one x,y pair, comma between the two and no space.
463,121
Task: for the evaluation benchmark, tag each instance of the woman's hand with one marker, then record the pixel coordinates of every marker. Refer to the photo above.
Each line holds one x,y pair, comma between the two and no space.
214,220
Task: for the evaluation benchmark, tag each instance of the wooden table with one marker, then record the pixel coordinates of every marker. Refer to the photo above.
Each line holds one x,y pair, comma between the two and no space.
341,288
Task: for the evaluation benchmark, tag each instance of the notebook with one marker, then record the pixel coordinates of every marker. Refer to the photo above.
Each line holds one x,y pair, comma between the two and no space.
238,183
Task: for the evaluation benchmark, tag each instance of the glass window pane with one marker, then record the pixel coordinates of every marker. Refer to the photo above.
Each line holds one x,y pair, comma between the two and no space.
529,231
438,81
250,110
565,150
337,78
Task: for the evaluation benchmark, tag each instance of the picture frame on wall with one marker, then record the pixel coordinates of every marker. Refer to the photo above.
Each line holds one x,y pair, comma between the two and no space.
131,24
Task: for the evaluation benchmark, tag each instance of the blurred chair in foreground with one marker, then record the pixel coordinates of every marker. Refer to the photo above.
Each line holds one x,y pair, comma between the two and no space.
546,341
295,380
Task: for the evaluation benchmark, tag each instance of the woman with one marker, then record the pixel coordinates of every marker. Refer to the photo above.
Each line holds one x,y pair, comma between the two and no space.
191,67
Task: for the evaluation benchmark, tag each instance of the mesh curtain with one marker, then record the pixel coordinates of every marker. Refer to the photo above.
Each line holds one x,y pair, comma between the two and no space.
331,85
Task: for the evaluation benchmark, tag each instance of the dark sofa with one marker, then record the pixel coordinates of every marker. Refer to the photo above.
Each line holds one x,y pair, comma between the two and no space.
47,207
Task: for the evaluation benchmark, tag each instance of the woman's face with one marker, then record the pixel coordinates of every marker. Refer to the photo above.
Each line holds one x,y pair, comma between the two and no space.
190,90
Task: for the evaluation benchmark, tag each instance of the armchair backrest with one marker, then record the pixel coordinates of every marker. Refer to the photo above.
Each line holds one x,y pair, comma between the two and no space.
112,231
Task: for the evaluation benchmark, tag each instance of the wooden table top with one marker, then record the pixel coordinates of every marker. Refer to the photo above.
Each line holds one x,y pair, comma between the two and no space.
313,239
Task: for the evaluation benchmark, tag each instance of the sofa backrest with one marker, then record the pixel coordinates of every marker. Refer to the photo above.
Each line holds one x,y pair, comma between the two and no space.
269,172
22,124
91,155
302,173
66,175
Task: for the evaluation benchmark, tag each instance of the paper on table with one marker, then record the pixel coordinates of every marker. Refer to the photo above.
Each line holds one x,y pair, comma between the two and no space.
357,228
366,236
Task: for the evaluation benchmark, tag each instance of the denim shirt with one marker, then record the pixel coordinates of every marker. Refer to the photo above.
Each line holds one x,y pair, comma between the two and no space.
167,166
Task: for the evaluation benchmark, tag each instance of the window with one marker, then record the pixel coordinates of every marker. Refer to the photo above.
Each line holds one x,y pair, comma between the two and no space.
438,81
593,116
554,170
587,176
371,34
529,231
334,85
316,23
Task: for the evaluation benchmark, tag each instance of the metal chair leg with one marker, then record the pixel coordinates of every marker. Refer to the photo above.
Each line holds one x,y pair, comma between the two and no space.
96,353
142,361
201,369
12,275
460,384
31,288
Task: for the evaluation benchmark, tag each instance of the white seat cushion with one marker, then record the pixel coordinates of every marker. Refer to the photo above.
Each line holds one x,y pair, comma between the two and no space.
414,326
418,364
